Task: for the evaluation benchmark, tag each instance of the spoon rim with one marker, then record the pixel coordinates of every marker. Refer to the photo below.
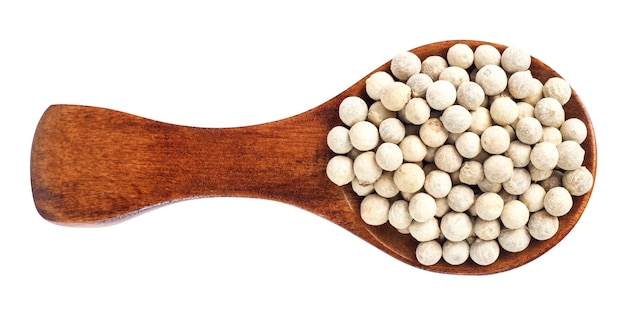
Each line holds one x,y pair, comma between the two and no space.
387,236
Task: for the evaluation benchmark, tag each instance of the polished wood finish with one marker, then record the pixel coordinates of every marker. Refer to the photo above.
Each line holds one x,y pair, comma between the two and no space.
93,166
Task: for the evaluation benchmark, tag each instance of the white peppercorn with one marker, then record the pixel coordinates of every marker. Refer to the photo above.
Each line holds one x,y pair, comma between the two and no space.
338,140
521,84
433,65
578,181
406,195
484,252
486,230
528,130
472,212
432,133
486,55
426,230
503,111
482,156
537,174
455,252
385,186
440,95
519,153
429,252
366,169
376,82
558,201
574,129
571,155
498,168
389,156
395,95
503,94
481,120
554,180
533,197
409,177
471,172
524,109
515,59
448,159
542,225
438,183
352,110
416,111
364,136
419,84
460,55
362,189
558,89
511,131
442,207
456,119
551,135
404,65
518,183
544,156
495,139
413,149
339,170
452,137
456,226
515,214
514,240
536,94
422,207
487,186
549,112
404,231
378,113
391,130
460,197
468,145
492,79
430,154
488,206
506,196
470,95
455,75
399,216
375,210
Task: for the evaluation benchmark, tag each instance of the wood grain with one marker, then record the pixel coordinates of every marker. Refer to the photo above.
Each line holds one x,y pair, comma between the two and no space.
94,166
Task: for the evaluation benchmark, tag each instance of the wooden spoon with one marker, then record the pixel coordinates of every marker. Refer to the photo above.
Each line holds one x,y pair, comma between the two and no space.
91,165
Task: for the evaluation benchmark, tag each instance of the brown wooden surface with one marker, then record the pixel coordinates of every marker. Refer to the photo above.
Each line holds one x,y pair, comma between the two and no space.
92,165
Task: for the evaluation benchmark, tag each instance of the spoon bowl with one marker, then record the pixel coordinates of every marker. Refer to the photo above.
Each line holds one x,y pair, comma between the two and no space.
95,166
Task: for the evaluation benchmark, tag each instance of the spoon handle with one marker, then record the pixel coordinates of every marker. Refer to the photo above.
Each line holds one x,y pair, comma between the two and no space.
91,165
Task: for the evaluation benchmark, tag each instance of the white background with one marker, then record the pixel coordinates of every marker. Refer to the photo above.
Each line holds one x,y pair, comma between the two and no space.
245,62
